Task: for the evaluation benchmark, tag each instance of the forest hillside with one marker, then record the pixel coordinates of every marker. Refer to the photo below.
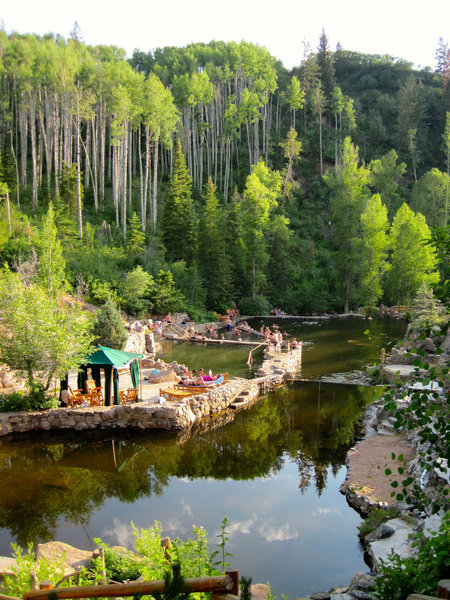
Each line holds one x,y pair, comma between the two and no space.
198,177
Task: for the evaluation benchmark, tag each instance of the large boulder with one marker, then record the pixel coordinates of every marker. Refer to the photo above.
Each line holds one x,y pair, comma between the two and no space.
73,558
7,566
136,342
163,377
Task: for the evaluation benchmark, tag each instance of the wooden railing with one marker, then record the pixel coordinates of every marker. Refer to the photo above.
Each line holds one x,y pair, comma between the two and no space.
443,591
222,587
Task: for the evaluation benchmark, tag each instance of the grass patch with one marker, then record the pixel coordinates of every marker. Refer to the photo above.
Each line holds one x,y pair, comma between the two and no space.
376,518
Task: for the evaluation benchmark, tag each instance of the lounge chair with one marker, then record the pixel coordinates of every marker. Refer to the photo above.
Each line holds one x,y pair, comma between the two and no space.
201,389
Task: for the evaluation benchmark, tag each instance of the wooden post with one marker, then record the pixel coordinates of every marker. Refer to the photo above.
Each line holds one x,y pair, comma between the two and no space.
101,550
443,590
234,574
46,585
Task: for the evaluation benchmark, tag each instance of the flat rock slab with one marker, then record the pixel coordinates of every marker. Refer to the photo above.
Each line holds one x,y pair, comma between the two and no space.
400,370
367,462
399,542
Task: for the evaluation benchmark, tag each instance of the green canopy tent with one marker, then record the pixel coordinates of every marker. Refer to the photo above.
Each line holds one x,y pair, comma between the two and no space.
110,360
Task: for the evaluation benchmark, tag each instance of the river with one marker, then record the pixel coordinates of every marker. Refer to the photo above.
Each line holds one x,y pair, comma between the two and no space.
274,471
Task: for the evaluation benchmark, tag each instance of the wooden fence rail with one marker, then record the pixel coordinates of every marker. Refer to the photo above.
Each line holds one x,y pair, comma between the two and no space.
222,584
443,591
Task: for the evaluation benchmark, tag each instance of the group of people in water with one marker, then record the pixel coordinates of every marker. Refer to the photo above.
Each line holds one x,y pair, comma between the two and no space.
201,378
273,336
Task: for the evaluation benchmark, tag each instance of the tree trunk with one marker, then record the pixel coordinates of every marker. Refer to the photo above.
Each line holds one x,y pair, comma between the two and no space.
155,185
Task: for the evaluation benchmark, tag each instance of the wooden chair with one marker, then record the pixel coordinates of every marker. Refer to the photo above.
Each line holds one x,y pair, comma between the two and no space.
94,394
75,397
128,396
91,386
95,398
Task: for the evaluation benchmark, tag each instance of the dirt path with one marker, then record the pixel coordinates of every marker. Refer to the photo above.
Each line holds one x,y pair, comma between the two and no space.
367,462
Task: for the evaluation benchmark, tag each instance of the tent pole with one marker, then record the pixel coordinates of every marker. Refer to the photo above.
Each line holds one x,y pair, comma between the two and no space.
140,378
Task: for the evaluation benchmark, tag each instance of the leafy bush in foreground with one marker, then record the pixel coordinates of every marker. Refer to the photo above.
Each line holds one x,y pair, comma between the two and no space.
400,577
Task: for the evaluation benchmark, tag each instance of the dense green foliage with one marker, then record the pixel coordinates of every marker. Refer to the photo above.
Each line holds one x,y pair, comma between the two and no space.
108,327
150,560
205,163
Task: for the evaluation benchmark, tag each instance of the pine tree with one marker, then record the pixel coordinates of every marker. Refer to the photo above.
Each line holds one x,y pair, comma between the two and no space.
212,258
135,238
427,311
109,329
235,247
348,185
327,74
178,221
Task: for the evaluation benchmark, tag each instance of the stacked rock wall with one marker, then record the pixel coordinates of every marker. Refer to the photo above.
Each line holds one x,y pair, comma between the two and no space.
172,416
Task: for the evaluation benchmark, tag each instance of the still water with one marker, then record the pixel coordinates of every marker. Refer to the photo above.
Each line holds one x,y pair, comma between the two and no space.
274,470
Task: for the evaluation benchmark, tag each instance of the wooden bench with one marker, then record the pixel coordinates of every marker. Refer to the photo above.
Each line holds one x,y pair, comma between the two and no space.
175,394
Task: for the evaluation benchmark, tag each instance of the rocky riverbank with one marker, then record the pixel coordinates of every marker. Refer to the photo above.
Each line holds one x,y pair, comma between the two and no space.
368,487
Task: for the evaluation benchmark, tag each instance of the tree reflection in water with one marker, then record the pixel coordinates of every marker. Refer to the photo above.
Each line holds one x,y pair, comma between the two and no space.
47,478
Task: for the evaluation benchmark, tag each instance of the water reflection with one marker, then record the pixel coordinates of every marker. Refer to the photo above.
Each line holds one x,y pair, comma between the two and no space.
46,478
274,470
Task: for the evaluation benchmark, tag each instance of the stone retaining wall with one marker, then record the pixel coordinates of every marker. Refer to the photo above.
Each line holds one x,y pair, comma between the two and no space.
172,416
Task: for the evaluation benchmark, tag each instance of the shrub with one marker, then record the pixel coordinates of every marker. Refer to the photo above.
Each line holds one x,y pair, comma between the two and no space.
34,400
122,566
108,328
400,577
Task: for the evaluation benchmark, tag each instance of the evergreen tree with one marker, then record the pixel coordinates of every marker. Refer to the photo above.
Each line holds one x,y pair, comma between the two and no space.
135,238
178,221
441,56
348,186
327,73
427,311
109,328
212,258
68,190
235,247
